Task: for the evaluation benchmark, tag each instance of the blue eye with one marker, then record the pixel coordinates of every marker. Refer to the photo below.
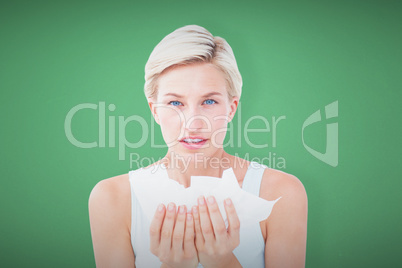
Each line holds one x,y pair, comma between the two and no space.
209,102
175,103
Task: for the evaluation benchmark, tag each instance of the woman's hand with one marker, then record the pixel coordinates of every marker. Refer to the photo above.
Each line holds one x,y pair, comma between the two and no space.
172,237
215,243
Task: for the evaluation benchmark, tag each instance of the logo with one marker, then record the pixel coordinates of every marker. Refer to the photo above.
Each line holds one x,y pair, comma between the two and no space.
330,156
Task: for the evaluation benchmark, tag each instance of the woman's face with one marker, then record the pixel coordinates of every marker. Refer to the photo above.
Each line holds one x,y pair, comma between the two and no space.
193,109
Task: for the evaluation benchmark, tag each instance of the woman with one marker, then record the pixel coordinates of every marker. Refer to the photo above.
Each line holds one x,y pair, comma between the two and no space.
193,88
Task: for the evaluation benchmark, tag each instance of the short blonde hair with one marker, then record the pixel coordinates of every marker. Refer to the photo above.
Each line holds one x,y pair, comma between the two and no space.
187,45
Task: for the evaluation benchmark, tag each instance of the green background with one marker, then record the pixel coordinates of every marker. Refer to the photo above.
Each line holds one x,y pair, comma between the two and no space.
295,57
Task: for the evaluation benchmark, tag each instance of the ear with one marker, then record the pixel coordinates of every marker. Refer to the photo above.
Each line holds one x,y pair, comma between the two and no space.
234,102
152,106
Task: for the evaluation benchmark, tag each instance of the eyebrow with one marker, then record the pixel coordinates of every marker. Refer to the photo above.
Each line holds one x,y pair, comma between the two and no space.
205,96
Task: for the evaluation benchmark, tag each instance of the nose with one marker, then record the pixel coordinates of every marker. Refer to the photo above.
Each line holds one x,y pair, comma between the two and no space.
195,120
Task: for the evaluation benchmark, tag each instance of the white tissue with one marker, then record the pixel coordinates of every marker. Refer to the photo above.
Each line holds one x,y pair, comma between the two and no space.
152,186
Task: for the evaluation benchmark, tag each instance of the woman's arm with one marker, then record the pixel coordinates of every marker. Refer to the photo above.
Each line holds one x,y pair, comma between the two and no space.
109,204
287,225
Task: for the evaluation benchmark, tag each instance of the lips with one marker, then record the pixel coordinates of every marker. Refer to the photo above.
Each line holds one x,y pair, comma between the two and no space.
192,139
193,142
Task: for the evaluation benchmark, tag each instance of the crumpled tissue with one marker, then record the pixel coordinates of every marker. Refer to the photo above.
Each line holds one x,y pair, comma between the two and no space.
153,186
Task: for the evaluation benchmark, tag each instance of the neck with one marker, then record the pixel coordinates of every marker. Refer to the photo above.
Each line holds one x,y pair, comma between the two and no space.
181,167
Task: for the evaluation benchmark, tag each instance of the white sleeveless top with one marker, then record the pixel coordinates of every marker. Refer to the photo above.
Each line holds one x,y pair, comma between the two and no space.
250,252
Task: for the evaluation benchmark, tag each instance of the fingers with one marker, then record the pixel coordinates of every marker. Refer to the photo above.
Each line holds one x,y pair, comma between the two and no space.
155,228
199,238
189,234
170,230
218,224
234,222
167,228
178,232
206,225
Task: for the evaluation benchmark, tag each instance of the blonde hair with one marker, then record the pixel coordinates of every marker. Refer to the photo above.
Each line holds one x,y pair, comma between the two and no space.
187,45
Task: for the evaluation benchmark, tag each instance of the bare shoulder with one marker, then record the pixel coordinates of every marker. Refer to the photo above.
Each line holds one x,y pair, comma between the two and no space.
109,214
113,183
285,230
112,195
276,183
114,188
289,214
